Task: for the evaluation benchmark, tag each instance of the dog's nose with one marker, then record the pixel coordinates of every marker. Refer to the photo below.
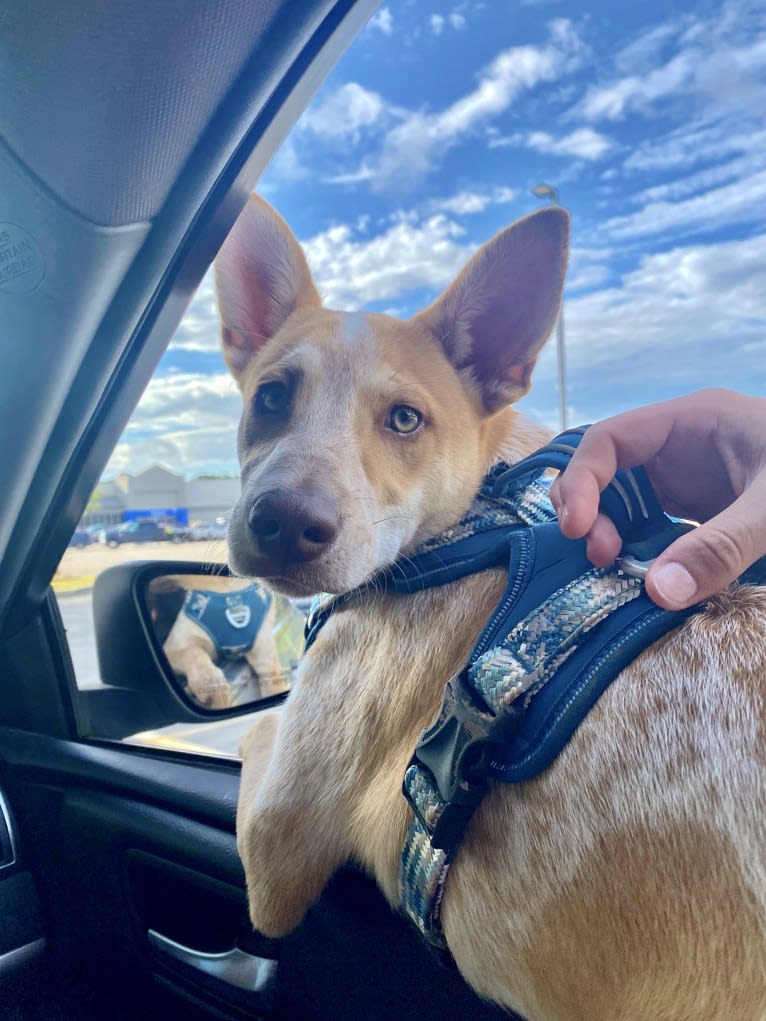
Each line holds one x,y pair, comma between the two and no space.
293,525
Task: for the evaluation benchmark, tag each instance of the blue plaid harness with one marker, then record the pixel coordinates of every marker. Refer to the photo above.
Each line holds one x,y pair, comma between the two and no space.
231,619
560,634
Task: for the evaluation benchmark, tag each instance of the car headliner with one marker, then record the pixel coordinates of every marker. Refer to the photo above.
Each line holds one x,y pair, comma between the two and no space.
131,135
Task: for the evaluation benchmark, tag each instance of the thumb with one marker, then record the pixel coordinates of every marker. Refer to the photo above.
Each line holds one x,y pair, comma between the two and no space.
707,560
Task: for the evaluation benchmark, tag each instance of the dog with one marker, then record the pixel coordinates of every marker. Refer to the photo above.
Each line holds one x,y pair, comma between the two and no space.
628,880
207,627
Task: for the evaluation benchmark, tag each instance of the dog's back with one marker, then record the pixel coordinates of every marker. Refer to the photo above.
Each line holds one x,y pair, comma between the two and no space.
628,880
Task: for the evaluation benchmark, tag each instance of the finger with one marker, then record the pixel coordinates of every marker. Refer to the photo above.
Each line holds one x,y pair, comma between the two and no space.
624,441
707,560
575,495
603,542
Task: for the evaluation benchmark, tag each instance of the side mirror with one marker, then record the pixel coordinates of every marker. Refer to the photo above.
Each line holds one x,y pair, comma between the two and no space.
184,642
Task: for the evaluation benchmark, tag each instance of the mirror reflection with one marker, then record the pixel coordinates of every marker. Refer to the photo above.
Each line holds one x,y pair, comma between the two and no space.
229,641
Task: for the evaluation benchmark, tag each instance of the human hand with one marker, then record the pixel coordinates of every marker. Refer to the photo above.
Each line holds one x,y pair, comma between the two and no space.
705,455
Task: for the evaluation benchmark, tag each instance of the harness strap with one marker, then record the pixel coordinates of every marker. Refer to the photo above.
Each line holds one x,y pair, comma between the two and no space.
563,630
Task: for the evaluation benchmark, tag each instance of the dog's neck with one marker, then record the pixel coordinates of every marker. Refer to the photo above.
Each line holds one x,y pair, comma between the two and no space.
512,435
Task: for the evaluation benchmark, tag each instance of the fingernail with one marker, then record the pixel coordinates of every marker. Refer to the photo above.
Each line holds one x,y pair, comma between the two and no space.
674,583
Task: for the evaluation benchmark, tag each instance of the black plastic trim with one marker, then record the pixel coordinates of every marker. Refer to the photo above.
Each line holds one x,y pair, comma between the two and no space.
203,789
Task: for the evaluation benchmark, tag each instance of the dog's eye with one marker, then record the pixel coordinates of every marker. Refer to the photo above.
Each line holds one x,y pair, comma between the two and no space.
272,398
404,419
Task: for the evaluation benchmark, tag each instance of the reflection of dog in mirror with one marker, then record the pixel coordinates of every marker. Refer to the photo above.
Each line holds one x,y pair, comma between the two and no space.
205,623
628,880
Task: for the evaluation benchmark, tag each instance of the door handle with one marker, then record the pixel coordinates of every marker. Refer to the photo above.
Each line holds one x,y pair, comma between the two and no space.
235,967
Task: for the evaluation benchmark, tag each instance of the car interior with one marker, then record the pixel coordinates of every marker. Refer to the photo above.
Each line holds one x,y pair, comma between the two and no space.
130,138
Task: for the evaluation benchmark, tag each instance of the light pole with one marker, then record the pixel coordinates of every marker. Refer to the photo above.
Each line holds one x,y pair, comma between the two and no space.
547,191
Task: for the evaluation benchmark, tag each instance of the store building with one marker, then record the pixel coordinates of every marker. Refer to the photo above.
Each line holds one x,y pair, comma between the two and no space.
159,493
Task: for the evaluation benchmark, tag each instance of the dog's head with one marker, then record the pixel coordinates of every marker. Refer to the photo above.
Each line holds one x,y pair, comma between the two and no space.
362,435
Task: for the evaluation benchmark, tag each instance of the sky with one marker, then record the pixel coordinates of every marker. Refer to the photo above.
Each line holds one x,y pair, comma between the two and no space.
648,118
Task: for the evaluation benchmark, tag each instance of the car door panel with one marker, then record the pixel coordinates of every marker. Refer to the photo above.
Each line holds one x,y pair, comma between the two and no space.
123,843
22,937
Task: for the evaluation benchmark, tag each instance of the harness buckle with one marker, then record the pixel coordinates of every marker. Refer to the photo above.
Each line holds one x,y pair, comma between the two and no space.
634,567
455,751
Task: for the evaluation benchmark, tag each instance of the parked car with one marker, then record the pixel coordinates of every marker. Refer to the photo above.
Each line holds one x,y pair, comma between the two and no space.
81,537
145,530
207,530
95,530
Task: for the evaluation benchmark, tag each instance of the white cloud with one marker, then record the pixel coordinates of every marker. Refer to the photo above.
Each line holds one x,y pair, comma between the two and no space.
719,61
462,204
684,319
383,21
742,201
687,310
636,93
586,278
584,143
410,254
739,169
413,148
363,173
643,53
199,330
436,24
187,421
345,112
287,165
588,268
694,144
465,203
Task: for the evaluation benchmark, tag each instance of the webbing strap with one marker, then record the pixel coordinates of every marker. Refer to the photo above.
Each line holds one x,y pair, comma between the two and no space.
562,632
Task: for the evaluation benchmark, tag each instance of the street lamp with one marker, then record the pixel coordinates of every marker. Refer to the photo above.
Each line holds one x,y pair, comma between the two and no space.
547,191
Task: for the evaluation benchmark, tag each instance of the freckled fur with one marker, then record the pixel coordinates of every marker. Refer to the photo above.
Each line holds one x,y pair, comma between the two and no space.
628,881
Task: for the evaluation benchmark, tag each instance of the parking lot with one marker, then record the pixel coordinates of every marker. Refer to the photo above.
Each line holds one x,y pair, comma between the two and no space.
79,567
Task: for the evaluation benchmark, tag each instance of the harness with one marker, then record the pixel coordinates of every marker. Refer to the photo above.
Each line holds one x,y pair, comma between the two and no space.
560,634
231,619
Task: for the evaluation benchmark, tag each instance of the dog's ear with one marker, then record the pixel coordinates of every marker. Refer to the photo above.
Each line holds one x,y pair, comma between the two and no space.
496,315
261,276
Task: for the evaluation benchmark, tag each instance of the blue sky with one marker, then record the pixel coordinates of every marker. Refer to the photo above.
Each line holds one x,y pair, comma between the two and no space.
649,119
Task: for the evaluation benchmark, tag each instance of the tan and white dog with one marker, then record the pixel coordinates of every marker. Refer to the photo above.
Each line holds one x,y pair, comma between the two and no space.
192,653
628,881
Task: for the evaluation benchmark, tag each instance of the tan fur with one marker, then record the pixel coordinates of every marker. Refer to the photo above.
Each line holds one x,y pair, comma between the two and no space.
191,651
628,881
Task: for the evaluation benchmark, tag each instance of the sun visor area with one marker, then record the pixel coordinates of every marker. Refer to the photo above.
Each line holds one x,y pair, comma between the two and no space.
120,93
